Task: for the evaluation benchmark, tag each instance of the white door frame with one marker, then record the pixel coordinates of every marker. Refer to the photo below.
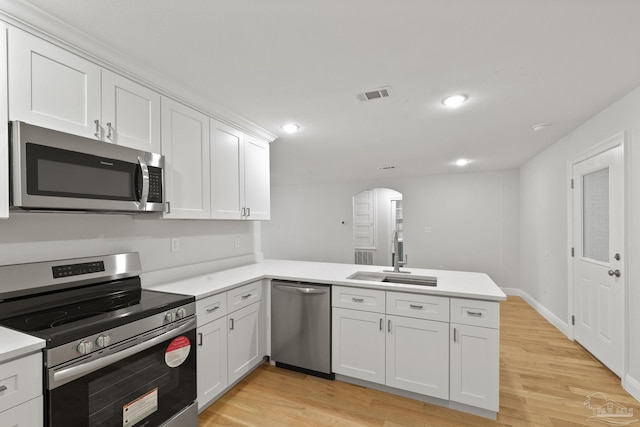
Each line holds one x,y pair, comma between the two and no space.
618,139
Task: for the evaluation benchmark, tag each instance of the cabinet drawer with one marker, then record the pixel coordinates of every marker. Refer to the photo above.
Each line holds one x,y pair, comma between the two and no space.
243,296
211,308
419,306
20,380
29,414
358,299
475,313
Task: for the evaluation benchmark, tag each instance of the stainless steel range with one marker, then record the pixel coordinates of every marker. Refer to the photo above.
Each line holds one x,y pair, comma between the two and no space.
116,354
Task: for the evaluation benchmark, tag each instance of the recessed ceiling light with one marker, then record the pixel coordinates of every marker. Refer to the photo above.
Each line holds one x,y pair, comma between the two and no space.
455,100
290,127
461,162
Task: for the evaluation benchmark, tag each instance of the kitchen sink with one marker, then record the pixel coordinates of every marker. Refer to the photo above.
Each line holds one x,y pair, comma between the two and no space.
402,279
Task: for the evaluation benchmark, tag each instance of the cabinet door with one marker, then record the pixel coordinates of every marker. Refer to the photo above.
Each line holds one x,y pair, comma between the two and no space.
4,130
130,113
185,145
28,414
244,341
475,366
418,356
52,87
257,185
212,361
227,174
358,344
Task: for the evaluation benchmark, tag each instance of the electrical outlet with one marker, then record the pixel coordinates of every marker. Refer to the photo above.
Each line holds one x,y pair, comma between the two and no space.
175,244
237,242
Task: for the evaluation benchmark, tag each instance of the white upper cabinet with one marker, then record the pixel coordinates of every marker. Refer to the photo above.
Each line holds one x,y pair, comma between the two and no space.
227,171
256,179
52,87
130,113
185,145
240,174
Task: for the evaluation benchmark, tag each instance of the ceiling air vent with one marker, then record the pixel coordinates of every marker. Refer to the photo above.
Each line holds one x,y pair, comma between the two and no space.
370,95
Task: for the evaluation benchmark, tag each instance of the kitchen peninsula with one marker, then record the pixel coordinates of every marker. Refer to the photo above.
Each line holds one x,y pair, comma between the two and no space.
440,346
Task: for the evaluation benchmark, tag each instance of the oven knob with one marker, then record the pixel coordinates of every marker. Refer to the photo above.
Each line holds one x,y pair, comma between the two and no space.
169,317
181,313
84,347
103,340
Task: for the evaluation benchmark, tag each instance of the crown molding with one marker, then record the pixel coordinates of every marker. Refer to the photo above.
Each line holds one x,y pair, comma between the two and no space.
46,26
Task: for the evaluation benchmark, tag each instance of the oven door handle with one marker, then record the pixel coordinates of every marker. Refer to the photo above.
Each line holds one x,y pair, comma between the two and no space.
69,374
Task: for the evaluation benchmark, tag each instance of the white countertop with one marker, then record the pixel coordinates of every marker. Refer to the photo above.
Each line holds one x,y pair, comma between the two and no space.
450,283
15,344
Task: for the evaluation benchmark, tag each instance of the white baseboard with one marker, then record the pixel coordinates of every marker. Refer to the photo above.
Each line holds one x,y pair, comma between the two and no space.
632,386
544,312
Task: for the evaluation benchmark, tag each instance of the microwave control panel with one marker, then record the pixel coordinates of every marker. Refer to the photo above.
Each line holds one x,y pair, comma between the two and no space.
155,185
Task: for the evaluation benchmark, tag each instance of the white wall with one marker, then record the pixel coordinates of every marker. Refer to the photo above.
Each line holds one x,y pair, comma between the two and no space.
29,237
473,219
543,222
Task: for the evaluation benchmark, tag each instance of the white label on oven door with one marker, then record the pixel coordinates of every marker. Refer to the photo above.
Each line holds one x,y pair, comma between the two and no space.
177,352
140,408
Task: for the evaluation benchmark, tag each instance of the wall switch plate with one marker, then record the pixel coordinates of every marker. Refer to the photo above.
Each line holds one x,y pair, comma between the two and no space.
175,244
236,242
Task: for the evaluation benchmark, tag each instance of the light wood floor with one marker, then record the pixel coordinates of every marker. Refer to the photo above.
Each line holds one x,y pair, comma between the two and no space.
544,381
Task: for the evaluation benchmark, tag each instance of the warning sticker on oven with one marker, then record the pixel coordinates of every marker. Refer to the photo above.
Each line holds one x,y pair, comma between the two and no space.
177,352
139,409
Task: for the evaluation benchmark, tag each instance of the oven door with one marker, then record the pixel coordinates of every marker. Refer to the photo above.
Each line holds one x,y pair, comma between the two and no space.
146,384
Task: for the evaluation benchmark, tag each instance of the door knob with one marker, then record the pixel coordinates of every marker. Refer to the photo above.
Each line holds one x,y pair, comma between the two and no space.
614,273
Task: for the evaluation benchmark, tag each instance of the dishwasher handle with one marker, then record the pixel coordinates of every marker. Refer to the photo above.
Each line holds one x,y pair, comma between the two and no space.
303,290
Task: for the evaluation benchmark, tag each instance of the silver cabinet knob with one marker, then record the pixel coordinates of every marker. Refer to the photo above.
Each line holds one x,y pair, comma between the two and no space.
103,341
84,347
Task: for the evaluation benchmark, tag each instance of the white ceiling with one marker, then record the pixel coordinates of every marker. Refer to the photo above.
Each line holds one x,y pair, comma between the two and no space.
521,62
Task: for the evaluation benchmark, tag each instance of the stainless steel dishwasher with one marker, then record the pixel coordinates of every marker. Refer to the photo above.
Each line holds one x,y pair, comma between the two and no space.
301,327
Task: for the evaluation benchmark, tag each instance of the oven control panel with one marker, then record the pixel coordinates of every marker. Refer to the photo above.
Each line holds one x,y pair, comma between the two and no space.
97,342
77,269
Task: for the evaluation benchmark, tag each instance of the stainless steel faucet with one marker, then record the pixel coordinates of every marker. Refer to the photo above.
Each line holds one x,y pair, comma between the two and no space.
396,259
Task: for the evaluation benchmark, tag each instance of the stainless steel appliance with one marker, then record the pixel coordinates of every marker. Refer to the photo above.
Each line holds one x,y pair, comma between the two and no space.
52,170
301,327
116,354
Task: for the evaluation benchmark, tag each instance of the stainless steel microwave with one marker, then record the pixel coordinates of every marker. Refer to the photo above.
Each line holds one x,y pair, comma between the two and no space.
52,170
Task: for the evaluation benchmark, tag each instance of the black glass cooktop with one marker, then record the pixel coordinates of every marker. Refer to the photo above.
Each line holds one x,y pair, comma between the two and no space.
62,317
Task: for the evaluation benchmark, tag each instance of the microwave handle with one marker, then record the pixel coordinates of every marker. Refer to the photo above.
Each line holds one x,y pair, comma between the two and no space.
144,170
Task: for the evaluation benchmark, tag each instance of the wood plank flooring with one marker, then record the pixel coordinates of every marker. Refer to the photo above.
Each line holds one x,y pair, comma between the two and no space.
544,381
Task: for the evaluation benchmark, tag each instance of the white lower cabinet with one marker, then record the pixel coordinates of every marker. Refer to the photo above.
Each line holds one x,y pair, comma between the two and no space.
231,339
244,341
418,356
212,361
358,347
29,414
408,353
475,353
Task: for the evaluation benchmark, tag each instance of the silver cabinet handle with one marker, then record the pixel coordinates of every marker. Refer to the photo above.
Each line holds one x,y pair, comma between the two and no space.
144,170
245,296
474,313
167,207
248,212
109,129
231,325
389,325
243,212
200,339
416,306
211,310
97,132
381,323
3,388
354,299
455,335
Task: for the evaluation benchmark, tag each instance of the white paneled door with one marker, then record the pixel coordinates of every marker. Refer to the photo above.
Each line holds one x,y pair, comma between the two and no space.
598,234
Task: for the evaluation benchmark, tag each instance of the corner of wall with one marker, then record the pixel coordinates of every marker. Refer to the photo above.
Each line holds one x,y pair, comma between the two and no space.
542,310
